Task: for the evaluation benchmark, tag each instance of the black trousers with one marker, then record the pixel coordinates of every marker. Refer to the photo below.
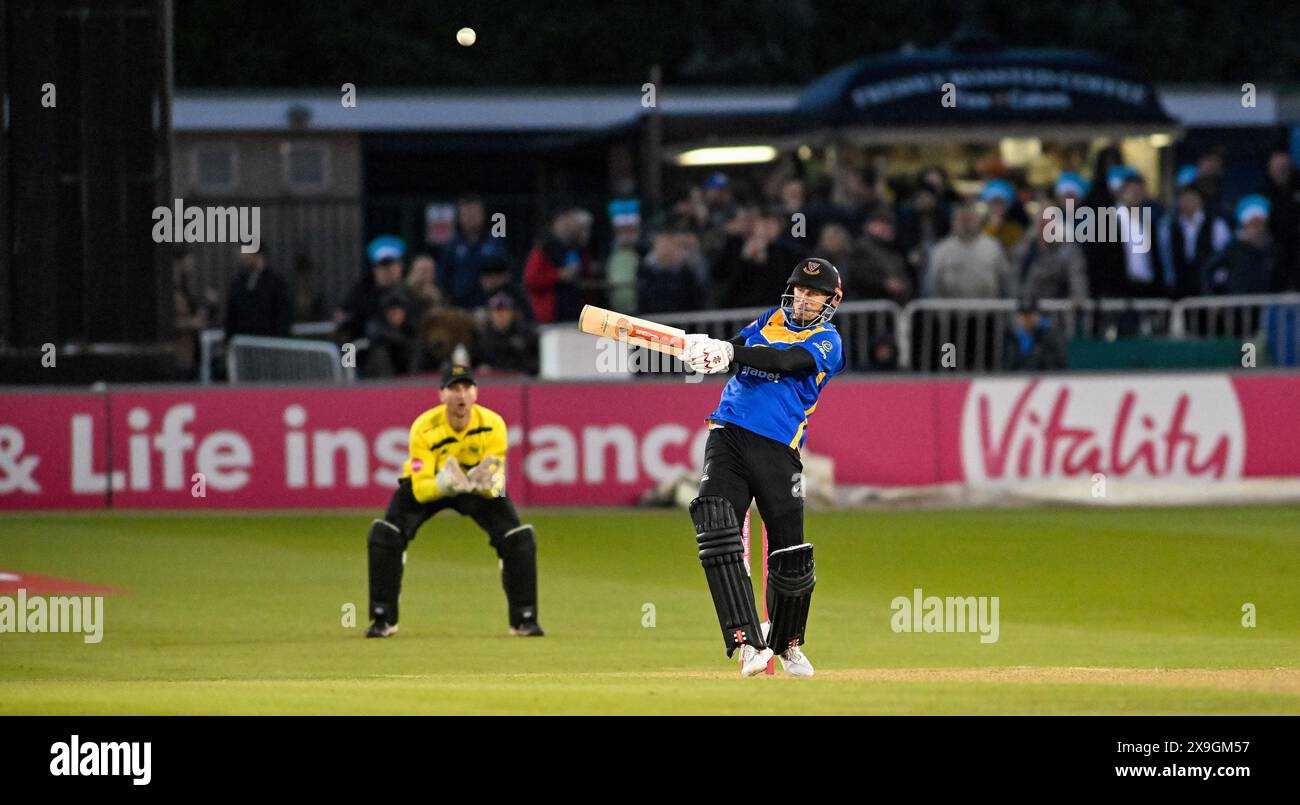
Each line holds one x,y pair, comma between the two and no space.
742,467
496,516
515,546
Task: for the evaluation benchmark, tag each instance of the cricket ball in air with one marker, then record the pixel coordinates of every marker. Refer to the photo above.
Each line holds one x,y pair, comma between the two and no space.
466,36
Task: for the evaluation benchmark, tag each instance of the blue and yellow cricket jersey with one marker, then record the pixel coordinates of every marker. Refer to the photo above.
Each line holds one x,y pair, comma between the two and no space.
766,402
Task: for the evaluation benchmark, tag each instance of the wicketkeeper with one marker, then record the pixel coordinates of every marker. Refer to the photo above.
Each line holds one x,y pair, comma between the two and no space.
457,462
783,360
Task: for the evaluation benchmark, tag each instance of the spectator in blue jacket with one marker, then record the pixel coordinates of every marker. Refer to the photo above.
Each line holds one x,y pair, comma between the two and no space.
461,266
665,282
1032,344
385,254
1247,265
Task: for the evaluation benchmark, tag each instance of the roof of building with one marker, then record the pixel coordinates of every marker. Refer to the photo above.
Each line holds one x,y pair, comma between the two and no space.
585,109
573,109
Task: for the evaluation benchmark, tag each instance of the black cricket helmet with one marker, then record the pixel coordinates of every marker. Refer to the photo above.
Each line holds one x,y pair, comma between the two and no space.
818,274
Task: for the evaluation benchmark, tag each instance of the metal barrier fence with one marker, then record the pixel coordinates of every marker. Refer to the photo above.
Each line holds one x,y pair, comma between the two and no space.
977,328
212,344
1232,316
253,359
1271,321
860,324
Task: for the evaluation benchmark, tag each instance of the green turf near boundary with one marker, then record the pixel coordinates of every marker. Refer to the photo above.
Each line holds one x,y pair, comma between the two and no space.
463,694
242,614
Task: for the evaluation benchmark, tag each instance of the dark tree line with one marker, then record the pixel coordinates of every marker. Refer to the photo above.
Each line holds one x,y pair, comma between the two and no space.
320,43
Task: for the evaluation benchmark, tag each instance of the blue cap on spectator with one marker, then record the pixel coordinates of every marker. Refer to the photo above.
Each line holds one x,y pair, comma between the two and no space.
625,211
1119,175
716,180
1071,184
385,247
998,188
1186,175
1253,206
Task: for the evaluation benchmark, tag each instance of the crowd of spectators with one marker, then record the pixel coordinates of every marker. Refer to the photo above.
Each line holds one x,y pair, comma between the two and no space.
462,306
721,245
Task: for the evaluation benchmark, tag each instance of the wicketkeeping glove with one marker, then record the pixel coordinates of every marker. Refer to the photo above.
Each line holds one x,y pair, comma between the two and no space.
451,479
489,477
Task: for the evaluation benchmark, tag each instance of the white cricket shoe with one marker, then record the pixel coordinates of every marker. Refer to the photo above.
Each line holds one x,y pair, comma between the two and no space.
753,661
793,661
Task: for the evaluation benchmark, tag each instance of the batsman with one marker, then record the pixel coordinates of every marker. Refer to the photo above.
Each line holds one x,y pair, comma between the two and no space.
783,361
457,462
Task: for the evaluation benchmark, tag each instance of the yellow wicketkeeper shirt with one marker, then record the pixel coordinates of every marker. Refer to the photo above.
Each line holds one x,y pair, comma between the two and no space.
433,440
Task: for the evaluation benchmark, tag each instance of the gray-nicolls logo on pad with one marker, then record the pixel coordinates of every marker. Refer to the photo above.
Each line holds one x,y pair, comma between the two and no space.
76,758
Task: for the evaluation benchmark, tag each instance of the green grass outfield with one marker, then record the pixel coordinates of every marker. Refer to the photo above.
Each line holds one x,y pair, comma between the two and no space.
1101,611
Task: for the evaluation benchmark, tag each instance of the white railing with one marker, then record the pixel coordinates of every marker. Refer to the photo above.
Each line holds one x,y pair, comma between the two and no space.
976,328
1269,320
1226,315
858,323
213,338
254,358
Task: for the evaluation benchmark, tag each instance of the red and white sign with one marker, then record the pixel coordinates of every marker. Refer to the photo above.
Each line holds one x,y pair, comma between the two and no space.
587,444
38,467
1135,427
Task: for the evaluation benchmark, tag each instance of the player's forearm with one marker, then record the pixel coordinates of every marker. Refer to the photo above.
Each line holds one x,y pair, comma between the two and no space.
792,360
425,488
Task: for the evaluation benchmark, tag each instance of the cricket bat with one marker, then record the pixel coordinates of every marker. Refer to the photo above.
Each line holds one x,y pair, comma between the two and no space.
633,331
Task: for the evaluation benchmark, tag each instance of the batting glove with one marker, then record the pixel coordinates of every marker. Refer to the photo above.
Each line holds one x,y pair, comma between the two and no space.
694,345
712,357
